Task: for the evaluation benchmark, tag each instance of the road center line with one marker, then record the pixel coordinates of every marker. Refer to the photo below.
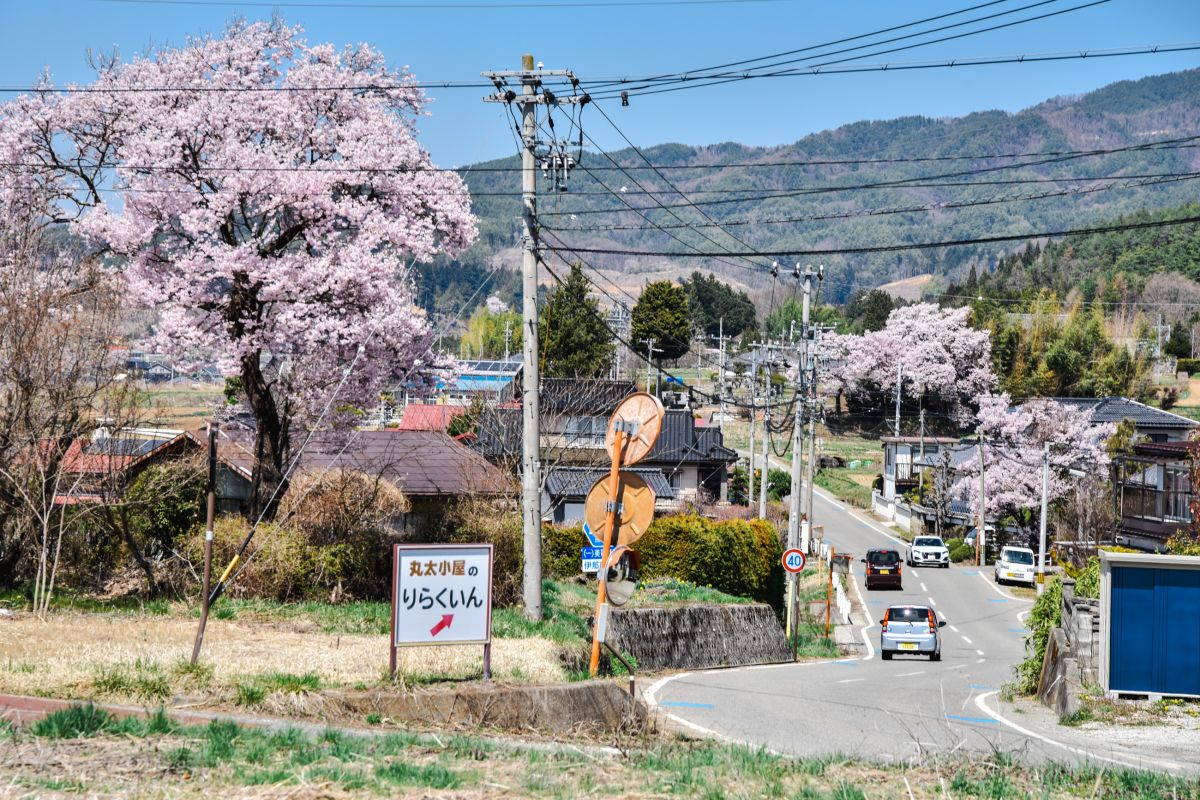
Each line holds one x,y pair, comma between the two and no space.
850,680
924,588
954,628
910,674
967,639
932,602
915,575
979,652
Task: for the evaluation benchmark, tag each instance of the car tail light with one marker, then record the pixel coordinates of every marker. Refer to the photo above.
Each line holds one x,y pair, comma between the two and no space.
932,622
886,616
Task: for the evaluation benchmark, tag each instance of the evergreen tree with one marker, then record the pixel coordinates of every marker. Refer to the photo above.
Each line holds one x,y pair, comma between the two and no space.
574,340
662,314
710,301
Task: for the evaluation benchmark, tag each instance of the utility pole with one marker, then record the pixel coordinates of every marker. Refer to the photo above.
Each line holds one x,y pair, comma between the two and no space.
764,478
899,379
650,351
1041,575
531,95
981,531
753,392
507,337
210,514
799,532
721,339
921,462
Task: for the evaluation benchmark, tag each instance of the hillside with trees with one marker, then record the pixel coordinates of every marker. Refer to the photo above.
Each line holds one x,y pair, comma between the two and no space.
957,181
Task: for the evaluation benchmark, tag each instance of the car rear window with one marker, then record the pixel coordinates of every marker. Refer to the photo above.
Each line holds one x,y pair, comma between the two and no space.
908,614
1018,557
928,541
883,557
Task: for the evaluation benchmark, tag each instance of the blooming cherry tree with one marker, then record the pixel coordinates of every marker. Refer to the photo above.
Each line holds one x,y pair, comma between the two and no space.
933,351
264,195
1014,437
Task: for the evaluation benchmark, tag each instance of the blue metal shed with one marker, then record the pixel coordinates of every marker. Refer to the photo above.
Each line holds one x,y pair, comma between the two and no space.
1150,624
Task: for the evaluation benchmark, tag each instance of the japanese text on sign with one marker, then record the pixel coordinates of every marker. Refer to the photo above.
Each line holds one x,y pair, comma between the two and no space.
442,594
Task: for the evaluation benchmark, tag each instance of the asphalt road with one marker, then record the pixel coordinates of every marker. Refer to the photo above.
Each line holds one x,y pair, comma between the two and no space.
895,710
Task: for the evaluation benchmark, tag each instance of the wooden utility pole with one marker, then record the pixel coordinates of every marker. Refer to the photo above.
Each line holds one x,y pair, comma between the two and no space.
981,531
210,516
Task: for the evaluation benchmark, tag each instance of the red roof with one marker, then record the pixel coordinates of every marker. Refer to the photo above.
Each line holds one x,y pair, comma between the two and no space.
428,417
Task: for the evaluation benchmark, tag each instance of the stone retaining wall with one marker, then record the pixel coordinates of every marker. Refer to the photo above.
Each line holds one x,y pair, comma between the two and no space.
699,637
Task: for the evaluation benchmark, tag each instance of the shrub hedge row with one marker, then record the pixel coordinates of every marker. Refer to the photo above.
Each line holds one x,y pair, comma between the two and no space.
738,557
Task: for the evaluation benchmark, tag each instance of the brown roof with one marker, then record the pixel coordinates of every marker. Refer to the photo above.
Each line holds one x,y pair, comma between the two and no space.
420,463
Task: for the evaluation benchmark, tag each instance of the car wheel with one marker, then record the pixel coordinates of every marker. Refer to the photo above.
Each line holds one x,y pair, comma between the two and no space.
935,656
885,655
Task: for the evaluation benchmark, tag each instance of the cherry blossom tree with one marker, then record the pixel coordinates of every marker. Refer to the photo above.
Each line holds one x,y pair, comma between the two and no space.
264,195
1014,437
933,351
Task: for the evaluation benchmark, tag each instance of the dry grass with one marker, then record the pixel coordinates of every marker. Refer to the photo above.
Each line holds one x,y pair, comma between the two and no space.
140,657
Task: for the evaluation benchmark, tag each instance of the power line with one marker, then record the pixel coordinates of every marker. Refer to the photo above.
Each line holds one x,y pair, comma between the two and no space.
944,63
1115,186
708,74
911,246
447,6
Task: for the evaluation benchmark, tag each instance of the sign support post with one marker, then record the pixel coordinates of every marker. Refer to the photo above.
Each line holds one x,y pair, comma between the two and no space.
611,513
829,591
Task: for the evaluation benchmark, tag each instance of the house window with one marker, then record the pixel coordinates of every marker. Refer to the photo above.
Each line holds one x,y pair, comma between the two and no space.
675,479
1176,494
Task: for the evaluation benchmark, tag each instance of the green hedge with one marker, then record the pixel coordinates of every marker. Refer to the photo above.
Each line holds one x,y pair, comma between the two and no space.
738,557
960,550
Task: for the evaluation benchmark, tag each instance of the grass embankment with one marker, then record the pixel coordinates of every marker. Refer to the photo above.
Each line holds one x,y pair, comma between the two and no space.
155,757
264,654
851,483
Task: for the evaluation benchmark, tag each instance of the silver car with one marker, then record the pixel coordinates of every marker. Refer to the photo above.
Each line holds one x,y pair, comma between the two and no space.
910,629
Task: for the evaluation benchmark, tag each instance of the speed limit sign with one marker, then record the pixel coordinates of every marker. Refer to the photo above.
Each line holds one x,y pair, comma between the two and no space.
793,560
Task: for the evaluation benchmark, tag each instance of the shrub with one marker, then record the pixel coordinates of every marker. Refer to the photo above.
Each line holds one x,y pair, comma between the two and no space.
1188,365
560,550
1087,582
1043,619
960,550
1181,544
472,520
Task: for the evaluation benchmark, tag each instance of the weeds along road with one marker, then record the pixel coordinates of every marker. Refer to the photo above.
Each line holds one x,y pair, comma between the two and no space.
895,710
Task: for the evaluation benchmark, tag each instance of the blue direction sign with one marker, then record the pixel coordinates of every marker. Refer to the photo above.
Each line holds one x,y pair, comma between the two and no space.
591,537
591,558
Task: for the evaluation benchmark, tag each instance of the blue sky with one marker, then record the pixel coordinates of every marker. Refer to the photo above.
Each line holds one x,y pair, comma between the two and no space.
455,44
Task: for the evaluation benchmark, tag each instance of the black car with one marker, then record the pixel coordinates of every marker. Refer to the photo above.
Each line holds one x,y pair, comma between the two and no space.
883,568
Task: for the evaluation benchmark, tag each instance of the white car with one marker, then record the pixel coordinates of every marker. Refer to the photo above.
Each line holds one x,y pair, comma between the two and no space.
928,550
1016,565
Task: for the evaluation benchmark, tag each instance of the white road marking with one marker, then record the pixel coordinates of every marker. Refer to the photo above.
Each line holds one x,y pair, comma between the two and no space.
980,661
981,702
967,639
978,652
932,602
959,666
954,628
925,588
1000,591
915,575
910,674
850,680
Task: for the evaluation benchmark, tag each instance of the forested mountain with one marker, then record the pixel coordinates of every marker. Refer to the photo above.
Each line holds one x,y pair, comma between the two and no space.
1156,109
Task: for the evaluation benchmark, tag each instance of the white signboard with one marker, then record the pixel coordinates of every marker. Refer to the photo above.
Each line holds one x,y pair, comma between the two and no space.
442,594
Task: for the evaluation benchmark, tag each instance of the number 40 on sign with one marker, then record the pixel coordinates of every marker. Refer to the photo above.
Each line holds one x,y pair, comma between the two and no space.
793,560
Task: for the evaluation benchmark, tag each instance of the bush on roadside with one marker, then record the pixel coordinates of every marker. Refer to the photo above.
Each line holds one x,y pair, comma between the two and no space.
959,550
1043,619
1182,544
738,557
472,520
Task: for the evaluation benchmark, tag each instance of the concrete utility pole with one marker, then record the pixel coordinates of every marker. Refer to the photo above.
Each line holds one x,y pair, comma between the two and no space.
721,339
753,392
981,531
899,380
799,533
764,479
531,95
921,463
1041,575
650,351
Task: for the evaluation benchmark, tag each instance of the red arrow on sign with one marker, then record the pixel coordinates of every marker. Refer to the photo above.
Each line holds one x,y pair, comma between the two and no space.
442,625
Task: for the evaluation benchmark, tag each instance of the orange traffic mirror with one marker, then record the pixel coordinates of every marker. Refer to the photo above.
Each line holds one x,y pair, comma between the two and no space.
640,418
635,500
